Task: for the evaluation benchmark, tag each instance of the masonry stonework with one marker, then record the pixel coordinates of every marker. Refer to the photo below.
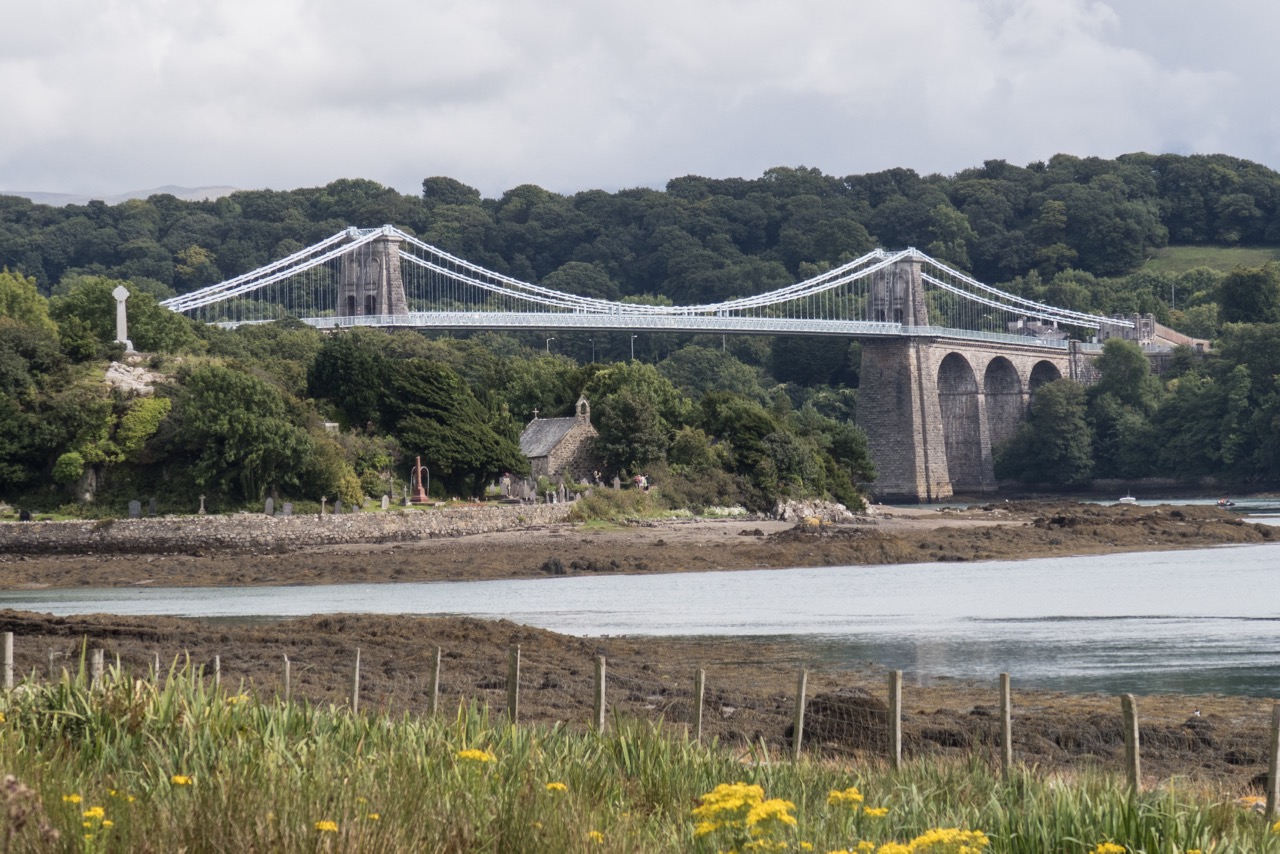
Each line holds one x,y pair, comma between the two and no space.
934,409
254,532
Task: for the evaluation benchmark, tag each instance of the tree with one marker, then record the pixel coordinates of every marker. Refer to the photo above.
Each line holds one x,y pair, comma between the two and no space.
239,434
432,412
1054,445
351,371
1251,294
21,301
1125,375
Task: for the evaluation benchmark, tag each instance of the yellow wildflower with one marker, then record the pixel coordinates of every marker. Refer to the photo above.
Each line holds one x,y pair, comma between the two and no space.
180,780
773,810
866,846
536,825
949,839
94,812
557,787
850,796
113,793
1,717
106,822
86,824
875,812
129,798
806,846
374,816
596,836
1275,828
88,837
1108,848
474,755
893,848
327,826
71,799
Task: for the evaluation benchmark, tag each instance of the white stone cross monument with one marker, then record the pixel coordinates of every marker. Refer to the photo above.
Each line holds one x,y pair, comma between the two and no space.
121,293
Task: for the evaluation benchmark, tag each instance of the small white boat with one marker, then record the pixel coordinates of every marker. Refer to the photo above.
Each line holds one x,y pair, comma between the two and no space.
1128,499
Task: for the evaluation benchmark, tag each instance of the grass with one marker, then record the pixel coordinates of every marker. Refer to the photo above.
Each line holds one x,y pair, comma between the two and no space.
136,766
1179,259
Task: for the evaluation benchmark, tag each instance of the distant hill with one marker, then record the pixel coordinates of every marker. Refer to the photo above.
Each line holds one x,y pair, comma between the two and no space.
187,194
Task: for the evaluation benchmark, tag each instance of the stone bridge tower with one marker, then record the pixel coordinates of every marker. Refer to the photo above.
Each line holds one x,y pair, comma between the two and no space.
933,408
371,282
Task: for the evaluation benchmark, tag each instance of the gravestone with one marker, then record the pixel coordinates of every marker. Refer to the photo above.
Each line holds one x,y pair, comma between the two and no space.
202,511
337,506
506,486
151,508
386,501
560,494
288,508
617,484
270,507
135,509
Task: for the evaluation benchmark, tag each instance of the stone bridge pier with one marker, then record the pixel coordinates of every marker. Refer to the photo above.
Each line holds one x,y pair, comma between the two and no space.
371,283
933,409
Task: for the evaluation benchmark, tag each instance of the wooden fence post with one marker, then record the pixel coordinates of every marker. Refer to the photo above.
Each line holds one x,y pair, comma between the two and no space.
1006,724
895,720
53,655
355,685
217,671
798,725
1132,749
513,685
699,688
97,658
435,683
288,688
8,660
1273,766
599,709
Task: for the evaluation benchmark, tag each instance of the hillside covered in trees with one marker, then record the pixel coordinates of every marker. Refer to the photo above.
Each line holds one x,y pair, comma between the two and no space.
238,414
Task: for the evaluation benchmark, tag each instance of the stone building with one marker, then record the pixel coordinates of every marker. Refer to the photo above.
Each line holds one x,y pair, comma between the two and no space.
561,446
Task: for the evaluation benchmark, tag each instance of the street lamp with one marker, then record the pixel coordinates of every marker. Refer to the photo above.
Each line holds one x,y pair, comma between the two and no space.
549,340
633,347
593,350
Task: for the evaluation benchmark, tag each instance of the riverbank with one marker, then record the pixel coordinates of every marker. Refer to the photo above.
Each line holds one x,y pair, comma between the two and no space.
887,536
1211,741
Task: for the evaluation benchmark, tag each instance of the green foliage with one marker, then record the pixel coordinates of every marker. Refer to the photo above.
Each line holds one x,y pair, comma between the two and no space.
1251,295
1054,445
68,468
350,370
240,434
152,328
433,413
139,423
20,301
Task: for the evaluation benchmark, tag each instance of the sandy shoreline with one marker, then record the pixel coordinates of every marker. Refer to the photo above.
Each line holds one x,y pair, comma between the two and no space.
1004,531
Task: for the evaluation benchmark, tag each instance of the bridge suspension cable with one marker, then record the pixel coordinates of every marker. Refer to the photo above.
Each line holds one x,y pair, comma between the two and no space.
443,290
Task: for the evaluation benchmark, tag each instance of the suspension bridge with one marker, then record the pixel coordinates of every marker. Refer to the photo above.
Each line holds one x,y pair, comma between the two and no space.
949,364
387,277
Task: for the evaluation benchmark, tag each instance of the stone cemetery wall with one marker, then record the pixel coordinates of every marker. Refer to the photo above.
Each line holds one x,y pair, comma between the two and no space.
259,532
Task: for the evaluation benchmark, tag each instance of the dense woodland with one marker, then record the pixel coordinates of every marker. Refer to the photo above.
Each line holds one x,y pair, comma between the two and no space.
712,420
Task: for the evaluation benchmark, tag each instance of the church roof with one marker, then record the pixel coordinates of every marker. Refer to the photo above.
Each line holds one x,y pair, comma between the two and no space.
543,434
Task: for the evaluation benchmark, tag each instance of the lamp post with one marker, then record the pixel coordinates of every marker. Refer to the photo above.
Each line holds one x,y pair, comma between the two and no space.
593,350
549,340
633,347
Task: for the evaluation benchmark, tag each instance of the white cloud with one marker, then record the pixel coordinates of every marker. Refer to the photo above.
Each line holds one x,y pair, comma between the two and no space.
112,96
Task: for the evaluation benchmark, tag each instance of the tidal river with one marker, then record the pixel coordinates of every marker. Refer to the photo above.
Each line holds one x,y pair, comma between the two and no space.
1203,620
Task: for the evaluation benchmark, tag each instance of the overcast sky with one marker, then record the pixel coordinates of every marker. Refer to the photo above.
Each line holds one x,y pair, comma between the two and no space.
106,96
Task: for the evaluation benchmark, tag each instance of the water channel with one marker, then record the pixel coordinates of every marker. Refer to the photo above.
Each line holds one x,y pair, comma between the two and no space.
1194,621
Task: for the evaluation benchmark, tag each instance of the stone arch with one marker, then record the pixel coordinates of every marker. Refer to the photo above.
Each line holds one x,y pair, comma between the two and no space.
1043,372
1003,391
961,423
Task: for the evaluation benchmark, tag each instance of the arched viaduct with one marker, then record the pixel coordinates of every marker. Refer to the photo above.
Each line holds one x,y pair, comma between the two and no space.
934,408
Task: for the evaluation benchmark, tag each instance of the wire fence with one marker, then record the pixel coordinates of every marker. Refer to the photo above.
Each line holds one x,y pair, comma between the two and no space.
766,710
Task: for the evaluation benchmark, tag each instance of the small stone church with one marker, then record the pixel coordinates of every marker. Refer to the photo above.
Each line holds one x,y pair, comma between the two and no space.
561,446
